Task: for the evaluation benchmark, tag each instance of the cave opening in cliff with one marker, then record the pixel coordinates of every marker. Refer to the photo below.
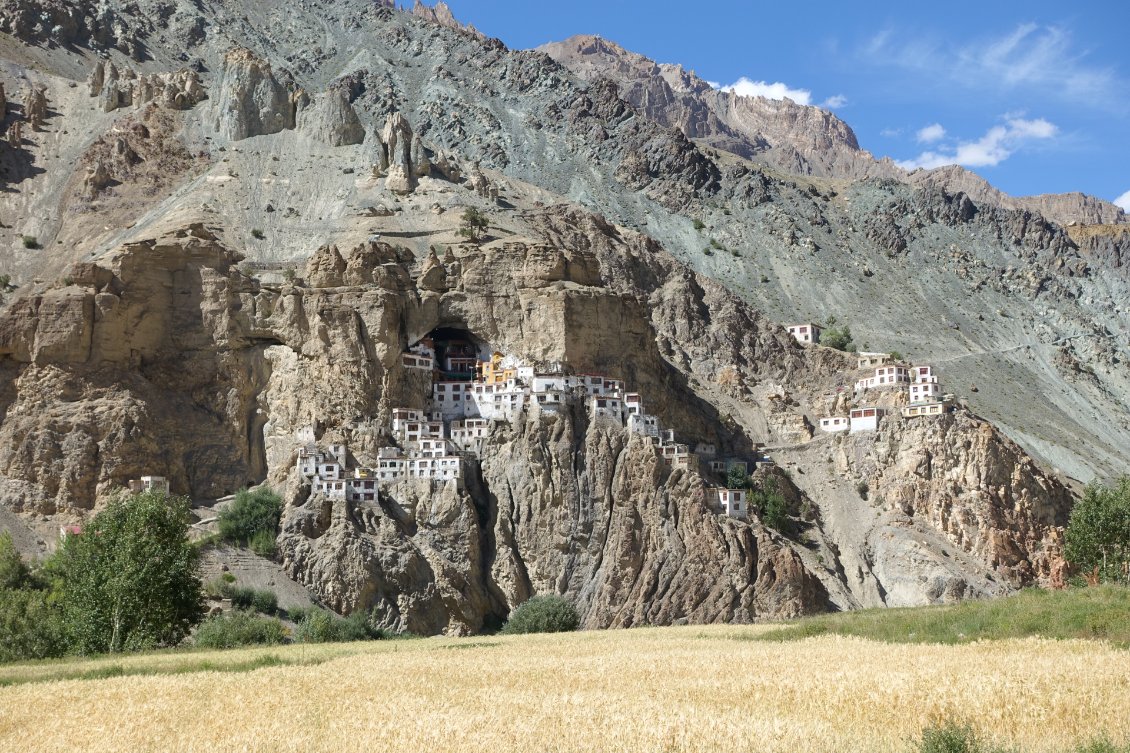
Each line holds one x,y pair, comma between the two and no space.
457,351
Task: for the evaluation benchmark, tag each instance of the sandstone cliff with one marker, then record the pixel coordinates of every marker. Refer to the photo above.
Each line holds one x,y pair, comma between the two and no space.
167,359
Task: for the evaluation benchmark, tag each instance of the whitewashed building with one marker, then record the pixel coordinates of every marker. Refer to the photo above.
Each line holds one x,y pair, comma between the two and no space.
867,360
885,376
835,423
644,424
805,333
865,419
732,502
468,434
927,409
606,407
158,484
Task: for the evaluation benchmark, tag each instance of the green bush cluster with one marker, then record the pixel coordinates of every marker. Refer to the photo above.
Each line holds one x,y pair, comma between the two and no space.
958,737
239,628
252,520
543,614
265,602
320,626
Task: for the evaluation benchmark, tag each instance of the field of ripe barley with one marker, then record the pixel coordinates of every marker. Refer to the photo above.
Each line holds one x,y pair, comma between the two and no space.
671,689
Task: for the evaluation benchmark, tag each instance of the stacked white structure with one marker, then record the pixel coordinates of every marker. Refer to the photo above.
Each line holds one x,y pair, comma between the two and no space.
433,443
732,502
885,376
926,396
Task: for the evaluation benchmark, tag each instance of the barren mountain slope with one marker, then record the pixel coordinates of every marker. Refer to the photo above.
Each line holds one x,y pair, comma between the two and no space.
213,149
797,248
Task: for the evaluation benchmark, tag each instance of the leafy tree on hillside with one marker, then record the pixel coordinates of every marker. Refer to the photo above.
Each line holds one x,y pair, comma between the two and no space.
472,224
128,581
1098,535
838,338
737,478
771,505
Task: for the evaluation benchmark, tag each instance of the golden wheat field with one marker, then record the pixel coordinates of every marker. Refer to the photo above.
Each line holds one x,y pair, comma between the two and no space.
671,689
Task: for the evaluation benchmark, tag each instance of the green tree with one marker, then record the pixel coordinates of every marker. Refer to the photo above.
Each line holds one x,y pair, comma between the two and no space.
737,478
129,581
13,572
472,224
1098,534
253,513
30,625
771,505
837,337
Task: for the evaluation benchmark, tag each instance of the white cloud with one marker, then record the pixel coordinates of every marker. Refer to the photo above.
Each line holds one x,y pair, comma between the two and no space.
714,84
1032,57
834,102
1124,201
748,88
890,133
930,134
997,145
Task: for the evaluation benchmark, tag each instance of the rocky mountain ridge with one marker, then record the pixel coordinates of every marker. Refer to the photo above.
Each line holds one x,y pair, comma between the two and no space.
792,137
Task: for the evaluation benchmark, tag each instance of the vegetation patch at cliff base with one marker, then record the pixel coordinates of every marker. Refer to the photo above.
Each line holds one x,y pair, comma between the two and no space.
1098,613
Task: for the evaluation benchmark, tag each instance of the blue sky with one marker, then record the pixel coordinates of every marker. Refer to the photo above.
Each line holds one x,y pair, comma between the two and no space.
1034,96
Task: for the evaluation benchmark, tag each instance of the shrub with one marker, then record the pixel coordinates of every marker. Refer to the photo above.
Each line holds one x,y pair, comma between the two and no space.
764,279
239,629
5,282
543,614
263,544
251,598
699,224
30,241
320,626
227,578
252,512
895,355
241,596
265,602
289,274
949,737
708,251
257,234
862,488
13,572
30,626
838,338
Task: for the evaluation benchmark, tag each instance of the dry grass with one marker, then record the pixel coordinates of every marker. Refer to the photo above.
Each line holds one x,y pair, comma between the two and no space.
673,689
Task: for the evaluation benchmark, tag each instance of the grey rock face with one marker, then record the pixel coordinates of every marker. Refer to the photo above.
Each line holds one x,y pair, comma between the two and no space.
332,119
396,137
251,100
